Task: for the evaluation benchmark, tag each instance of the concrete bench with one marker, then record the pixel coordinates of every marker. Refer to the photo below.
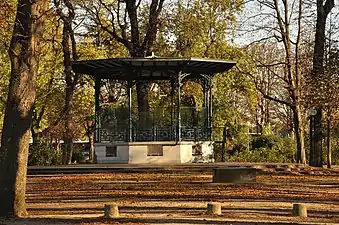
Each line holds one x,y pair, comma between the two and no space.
234,175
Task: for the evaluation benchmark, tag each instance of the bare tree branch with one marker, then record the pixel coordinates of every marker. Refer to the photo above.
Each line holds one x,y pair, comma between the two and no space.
263,92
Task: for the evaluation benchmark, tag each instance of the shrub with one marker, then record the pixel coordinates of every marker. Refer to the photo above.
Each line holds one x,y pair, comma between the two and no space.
266,141
239,138
77,155
42,155
268,148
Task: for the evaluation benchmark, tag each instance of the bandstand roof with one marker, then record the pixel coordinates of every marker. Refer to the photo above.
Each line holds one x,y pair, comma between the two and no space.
150,68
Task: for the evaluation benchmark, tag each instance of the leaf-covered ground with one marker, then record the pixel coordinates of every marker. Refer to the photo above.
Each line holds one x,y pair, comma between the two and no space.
181,198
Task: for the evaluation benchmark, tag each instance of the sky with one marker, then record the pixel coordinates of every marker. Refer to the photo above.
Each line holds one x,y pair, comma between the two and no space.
255,16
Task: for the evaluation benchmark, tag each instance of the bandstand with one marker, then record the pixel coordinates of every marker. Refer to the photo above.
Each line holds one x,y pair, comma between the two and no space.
165,135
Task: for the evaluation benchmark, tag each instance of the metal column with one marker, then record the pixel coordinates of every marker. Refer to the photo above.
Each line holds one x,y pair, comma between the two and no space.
178,108
210,107
172,108
97,87
130,122
206,104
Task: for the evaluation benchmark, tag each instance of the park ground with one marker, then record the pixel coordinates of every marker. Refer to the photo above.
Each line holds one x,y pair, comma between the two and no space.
180,197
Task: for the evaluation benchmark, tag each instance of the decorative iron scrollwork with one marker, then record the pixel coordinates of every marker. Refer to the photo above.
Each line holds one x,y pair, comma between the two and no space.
114,126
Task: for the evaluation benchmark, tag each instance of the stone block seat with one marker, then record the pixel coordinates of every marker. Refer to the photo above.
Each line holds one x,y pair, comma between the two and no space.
234,175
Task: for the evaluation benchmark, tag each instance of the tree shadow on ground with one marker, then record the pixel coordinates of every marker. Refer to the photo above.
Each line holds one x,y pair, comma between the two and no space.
230,212
294,197
139,221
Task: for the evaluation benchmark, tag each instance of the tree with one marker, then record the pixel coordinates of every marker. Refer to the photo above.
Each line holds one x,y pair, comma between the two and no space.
323,9
49,127
122,20
48,78
70,54
267,76
205,30
276,24
19,106
331,106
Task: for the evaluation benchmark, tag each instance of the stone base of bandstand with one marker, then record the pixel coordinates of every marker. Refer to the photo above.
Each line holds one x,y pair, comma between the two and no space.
157,152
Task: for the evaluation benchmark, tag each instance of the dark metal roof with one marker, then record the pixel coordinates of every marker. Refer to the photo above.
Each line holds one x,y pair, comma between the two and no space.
150,68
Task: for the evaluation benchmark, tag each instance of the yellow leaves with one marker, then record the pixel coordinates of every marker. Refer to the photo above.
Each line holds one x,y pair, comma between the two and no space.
203,26
87,50
194,90
7,15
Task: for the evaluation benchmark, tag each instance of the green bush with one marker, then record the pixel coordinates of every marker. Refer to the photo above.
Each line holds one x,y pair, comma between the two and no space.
42,155
268,148
77,155
239,137
266,141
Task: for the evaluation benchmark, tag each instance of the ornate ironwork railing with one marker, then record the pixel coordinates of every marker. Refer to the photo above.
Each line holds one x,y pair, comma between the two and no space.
153,134
161,124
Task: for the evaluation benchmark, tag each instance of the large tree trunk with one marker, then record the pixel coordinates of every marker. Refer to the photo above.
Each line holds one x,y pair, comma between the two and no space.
143,102
299,135
19,107
317,151
142,88
317,74
68,137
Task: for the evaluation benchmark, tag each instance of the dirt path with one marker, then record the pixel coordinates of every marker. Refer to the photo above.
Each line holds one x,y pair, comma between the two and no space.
181,198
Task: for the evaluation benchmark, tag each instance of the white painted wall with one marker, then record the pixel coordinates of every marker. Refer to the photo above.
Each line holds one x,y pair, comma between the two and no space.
186,153
100,152
136,153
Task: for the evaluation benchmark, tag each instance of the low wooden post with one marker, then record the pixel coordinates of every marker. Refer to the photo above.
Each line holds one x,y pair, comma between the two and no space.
214,208
299,210
111,211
